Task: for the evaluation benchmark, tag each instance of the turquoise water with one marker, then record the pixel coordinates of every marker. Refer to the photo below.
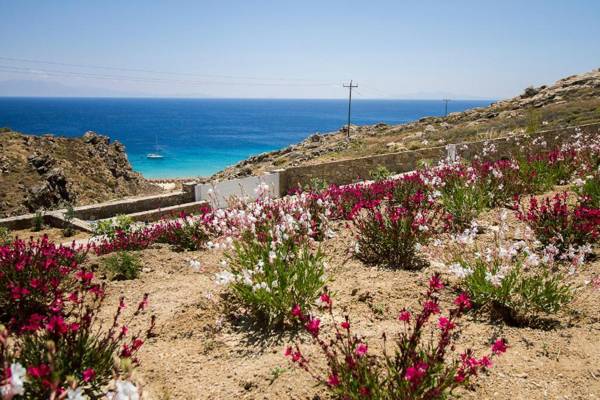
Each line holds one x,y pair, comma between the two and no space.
201,136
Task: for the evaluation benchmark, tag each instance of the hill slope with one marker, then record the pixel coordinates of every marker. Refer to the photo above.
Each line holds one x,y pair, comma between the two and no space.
571,101
46,171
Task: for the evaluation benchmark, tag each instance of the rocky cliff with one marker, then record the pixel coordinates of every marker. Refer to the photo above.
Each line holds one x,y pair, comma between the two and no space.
573,100
45,172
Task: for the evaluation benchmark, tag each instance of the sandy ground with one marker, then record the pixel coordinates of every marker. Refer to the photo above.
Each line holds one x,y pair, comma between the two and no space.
54,235
201,353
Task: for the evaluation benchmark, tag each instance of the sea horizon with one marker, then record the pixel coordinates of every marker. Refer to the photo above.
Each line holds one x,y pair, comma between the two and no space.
201,136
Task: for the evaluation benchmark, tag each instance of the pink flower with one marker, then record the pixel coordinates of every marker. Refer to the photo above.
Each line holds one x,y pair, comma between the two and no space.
404,316
431,307
325,299
38,371
313,325
499,346
333,380
296,311
463,301
445,324
89,375
361,350
435,283
415,373
485,362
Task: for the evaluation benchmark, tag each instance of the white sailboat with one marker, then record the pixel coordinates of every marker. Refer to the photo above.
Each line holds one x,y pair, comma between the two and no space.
155,155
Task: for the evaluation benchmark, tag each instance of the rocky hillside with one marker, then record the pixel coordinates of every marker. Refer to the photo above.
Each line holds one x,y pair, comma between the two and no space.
573,100
44,172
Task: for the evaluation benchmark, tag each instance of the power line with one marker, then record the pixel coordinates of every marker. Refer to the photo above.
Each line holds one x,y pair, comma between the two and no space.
130,78
149,71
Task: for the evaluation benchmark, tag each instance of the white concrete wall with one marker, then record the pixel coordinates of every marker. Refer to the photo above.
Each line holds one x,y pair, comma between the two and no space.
220,192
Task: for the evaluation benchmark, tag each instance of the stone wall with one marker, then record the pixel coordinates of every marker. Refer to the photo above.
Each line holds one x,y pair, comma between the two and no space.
348,171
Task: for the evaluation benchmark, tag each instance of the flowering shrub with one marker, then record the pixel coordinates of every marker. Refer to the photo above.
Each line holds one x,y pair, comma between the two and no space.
500,181
122,266
69,355
390,235
267,279
50,304
5,236
417,368
36,279
109,227
463,201
557,223
511,293
184,233
589,190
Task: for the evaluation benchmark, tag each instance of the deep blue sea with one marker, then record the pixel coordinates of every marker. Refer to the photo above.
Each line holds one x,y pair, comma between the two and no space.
201,136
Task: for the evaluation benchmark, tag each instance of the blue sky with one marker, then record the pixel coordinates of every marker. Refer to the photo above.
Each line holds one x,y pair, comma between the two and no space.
294,49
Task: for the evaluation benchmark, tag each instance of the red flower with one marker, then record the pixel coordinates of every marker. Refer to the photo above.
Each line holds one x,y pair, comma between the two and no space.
431,307
325,299
364,391
463,301
38,371
88,375
404,316
435,283
297,311
499,346
313,325
445,324
415,373
333,380
361,350
345,325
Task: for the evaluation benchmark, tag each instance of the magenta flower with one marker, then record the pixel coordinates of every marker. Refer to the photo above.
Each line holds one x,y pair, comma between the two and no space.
333,380
445,324
404,316
361,350
499,346
463,301
89,375
313,325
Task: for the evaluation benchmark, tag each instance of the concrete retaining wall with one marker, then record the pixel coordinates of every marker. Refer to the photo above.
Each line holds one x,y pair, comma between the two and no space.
218,193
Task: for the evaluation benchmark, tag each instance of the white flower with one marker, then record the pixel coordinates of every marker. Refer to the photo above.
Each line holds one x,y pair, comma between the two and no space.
126,391
15,385
495,279
272,256
195,265
459,270
224,277
75,394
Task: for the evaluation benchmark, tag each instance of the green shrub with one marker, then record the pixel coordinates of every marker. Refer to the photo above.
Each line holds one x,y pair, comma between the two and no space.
69,215
122,265
389,236
589,191
381,173
5,236
38,221
534,120
516,296
316,185
463,201
268,282
109,227
184,234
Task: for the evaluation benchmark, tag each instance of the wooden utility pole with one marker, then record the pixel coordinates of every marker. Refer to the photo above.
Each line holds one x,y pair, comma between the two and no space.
350,86
446,106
